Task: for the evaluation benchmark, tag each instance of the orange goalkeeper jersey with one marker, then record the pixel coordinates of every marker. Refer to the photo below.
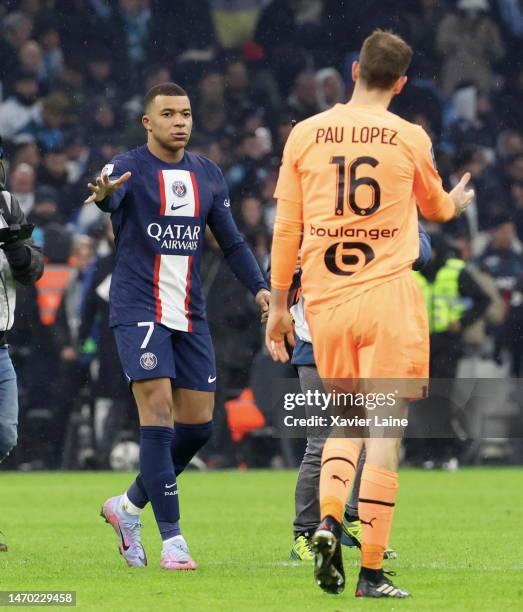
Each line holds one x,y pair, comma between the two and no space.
350,178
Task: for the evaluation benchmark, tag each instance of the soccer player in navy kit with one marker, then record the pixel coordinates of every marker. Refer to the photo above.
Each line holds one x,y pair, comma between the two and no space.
160,198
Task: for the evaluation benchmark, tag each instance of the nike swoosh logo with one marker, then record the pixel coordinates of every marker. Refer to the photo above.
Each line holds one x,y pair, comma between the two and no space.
211,379
173,207
124,545
170,486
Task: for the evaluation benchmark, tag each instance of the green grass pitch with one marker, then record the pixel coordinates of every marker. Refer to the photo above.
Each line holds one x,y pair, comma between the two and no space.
459,539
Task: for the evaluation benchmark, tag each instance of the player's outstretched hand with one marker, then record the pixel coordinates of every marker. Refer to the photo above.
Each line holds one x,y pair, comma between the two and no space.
462,197
279,327
263,298
104,187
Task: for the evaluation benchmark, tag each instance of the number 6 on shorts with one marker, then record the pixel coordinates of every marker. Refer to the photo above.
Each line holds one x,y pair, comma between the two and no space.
150,325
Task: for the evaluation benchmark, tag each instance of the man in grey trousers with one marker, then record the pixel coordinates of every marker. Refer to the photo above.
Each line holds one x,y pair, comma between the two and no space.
307,504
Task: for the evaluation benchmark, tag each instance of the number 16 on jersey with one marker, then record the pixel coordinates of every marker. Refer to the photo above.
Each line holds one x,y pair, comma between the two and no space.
353,184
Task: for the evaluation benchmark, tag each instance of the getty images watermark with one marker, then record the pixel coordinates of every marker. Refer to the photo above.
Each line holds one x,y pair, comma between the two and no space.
468,408
336,407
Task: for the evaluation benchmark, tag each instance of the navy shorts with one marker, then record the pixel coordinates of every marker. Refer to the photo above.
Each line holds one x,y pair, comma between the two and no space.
151,350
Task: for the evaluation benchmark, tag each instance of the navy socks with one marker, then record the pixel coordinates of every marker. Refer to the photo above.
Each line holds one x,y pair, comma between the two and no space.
187,440
158,477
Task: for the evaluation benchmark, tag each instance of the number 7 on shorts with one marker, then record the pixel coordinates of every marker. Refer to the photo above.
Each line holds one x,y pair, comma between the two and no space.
150,325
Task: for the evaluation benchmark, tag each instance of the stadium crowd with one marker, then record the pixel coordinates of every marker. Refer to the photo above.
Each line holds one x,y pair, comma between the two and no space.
72,78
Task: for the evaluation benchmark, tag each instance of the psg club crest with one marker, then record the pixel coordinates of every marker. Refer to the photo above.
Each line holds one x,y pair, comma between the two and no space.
179,189
148,361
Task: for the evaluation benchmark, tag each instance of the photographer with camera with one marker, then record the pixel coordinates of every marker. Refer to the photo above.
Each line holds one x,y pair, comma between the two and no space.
20,261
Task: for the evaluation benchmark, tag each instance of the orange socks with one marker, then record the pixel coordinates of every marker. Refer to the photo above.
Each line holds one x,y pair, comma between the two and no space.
376,508
338,465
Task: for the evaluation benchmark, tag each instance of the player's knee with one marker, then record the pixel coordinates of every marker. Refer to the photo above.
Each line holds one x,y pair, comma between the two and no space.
156,408
383,452
156,415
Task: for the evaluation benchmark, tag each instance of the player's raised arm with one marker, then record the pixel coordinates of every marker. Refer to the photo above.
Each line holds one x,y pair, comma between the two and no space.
104,187
434,202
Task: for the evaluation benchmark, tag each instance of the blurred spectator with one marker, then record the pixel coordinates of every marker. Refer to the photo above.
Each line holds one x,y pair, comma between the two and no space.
330,88
490,197
476,123
167,18
470,44
233,322
30,60
110,393
130,24
16,30
503,260
239,92
45,212
31,8
72,81
73,372
502,256
443,279
421,25
46,127
284,28
20,108
303,102
510,143
77,155
53,171
53,58
248,170
514,168
475,337
27,153
103,126
455,300
252,226
101,82
210,112
68,316
211,89
22,186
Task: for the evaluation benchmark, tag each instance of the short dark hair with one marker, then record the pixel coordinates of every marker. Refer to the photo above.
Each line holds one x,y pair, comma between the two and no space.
384,58
163,89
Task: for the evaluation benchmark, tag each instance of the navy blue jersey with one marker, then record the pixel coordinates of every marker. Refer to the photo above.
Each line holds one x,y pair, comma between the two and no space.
159,217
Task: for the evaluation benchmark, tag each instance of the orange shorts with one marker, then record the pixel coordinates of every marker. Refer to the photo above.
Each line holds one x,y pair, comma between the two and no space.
382,333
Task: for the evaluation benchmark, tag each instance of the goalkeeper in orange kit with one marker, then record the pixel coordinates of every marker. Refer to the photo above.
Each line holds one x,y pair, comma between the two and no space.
350,180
